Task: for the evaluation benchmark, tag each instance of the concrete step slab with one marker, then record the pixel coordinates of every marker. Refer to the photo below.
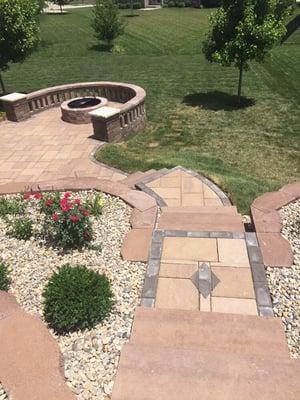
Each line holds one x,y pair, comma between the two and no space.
160,373
201,222
241,334
201,210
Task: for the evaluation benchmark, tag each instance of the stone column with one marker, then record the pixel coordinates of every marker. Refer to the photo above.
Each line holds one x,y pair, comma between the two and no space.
16,106
106,124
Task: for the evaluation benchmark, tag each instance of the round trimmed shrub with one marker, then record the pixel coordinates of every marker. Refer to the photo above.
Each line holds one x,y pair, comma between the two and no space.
4,277
76,298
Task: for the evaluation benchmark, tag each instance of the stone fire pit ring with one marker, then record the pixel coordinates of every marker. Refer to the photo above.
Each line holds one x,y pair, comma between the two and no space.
76,110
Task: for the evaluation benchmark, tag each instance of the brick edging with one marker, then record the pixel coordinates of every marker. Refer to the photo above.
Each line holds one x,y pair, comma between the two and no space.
262,294
276,250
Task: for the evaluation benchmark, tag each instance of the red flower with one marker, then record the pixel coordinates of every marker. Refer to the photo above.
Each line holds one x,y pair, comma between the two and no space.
74,218
26,196
67,195
85,213
38,196
77,201
55,216
64,205
49,202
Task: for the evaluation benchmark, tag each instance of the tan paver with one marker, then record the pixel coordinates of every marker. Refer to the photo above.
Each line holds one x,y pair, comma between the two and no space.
168,193
192,185
205,303
136,245
180,248
175,270
177,293
192,199
29,150
233,253
234,282
234,306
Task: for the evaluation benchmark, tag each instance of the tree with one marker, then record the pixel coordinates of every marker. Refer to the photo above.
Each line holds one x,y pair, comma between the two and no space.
107,23
18,31
245,30
61,3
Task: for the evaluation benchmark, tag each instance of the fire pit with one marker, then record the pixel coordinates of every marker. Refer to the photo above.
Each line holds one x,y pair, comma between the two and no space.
76,111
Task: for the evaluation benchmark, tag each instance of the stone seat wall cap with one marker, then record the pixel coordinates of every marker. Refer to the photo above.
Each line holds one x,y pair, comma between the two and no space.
12,97
104,112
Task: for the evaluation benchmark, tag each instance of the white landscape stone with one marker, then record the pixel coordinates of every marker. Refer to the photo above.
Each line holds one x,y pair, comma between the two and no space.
91,357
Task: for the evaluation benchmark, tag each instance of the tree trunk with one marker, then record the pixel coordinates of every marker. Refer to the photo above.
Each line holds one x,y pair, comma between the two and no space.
2,84
60,8
241,67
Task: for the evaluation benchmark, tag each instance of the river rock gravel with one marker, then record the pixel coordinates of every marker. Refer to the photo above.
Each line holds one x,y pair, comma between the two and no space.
284,283
91,357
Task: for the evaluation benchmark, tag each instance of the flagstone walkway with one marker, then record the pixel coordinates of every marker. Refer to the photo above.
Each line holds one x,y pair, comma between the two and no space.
44,148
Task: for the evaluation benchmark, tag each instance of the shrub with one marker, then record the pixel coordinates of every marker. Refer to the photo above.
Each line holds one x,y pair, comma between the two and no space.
66,222
107,23
4,277
76,298
171,3
21,228
11,206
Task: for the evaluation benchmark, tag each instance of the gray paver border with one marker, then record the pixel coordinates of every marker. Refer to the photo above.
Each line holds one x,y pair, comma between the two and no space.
263,298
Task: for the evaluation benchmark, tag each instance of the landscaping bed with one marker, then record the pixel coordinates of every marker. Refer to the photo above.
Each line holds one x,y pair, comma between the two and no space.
284,283
91,356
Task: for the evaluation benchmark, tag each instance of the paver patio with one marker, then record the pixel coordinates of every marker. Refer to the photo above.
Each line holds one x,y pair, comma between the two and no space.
44,147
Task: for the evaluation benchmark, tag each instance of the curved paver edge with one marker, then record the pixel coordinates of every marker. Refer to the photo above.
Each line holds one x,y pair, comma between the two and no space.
276,250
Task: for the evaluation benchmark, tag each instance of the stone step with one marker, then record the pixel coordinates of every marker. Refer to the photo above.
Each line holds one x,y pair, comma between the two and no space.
131,180
194,221
201,210
161,373
151,175
232,333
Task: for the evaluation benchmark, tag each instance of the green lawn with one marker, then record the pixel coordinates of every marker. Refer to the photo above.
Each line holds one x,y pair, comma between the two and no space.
247,151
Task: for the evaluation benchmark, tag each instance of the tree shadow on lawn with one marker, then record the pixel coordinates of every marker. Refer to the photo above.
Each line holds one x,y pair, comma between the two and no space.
217,100
102,47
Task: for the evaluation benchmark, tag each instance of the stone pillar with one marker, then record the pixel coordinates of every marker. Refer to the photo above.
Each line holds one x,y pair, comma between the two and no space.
106,124
16,106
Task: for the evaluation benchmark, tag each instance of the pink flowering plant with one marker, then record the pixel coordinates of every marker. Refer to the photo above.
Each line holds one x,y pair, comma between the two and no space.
66,221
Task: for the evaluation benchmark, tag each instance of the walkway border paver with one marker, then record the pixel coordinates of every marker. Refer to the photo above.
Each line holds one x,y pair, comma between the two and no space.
31,364
276,250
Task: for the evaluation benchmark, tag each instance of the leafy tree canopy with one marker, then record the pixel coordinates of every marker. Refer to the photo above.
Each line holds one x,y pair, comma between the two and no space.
245,30
107,23
18,31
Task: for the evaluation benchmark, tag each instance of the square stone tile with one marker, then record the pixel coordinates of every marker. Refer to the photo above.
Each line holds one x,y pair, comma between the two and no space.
212,202
234,306
192,185
173,202
192,199
170,182
177,293
205,303
154,184
233,253
194,249
168,193
209,194
175,270
234,282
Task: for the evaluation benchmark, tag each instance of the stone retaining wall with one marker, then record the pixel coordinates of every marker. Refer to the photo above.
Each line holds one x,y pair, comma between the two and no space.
110,124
